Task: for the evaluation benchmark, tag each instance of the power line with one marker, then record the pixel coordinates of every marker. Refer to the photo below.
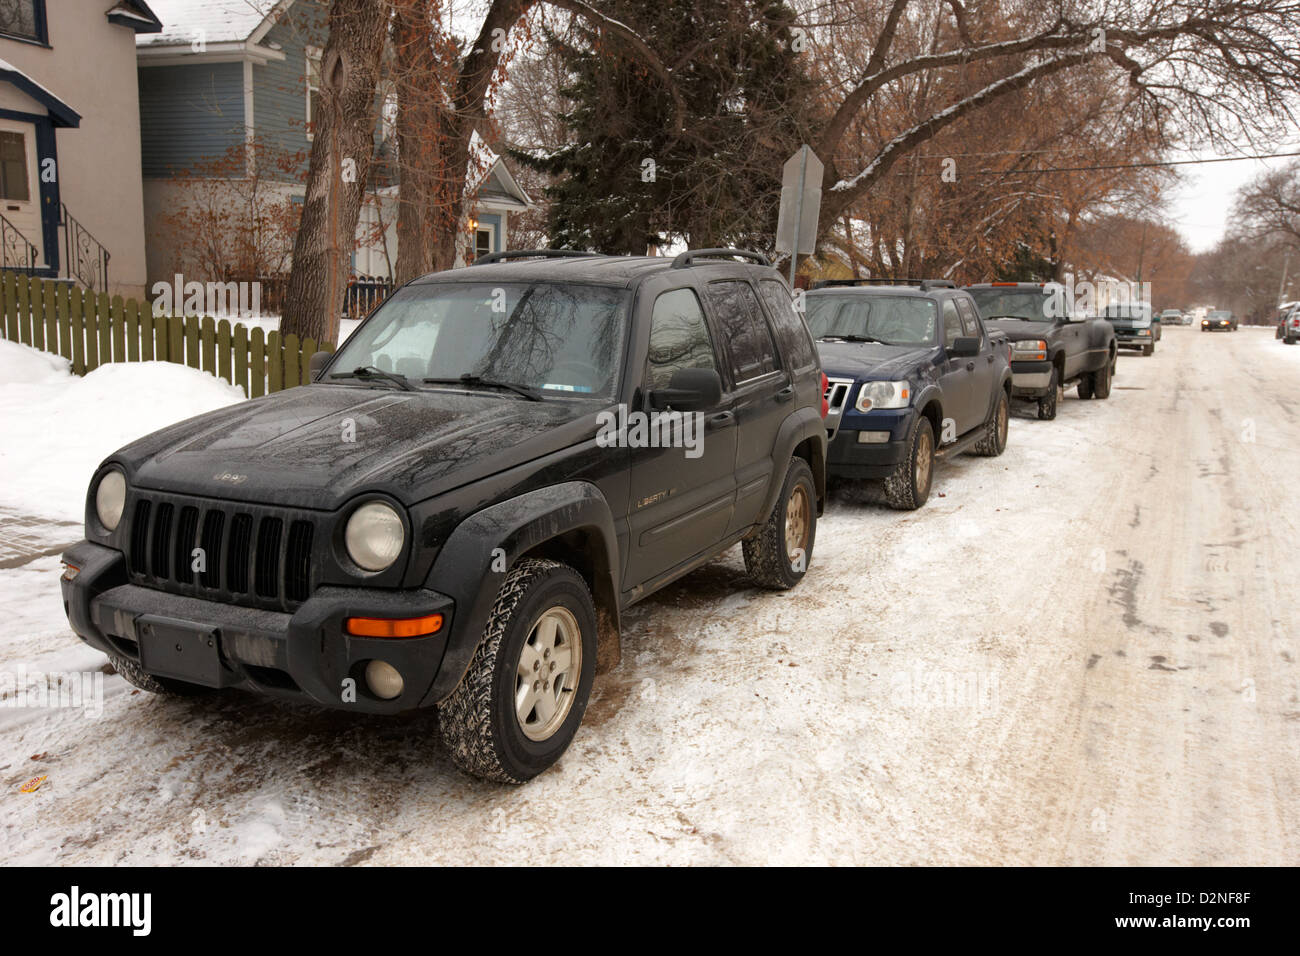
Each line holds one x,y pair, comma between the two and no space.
1171,162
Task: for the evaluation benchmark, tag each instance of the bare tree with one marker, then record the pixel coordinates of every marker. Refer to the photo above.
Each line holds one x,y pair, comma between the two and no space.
341,153
1199,70
1269,208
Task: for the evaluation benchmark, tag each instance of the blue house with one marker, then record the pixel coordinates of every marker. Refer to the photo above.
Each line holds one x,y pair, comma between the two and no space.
227,92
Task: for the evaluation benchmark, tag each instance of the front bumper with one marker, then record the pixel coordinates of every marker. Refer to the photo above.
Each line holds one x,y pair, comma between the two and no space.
1030,379
1127,339
303,655
1216,327
849,458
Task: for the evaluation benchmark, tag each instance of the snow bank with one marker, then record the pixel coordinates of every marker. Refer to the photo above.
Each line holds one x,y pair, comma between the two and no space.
55,428
271,323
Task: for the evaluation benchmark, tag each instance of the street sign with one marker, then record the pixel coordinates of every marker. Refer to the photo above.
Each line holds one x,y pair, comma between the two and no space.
801,200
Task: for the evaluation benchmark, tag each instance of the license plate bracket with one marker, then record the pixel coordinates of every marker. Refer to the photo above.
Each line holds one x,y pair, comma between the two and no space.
183,650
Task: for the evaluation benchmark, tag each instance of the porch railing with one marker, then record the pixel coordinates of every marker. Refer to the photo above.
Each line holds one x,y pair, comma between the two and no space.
16,252
84,257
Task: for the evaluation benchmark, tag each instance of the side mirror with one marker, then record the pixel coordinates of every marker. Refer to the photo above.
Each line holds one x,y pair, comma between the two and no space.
318,362
689,390
965,346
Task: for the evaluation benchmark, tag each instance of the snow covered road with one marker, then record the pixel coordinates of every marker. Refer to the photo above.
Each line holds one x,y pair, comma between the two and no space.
1083,652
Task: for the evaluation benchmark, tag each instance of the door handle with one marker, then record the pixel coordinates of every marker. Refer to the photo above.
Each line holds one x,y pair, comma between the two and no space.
785,394
719,420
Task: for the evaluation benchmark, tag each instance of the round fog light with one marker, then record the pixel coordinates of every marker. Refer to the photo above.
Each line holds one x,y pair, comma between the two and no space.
383,680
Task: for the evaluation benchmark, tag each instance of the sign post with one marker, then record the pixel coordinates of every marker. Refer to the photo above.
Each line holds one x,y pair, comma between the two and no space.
801,200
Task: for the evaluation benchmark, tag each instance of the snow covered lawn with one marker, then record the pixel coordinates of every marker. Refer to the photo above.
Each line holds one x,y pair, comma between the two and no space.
55,428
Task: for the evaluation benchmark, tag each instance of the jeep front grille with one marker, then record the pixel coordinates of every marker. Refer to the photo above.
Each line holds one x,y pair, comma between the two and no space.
252,555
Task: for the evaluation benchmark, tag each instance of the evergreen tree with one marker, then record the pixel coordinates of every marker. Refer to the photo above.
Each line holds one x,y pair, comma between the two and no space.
629,179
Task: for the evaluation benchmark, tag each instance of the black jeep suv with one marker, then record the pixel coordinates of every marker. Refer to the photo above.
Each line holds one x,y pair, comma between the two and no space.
913,376
493,467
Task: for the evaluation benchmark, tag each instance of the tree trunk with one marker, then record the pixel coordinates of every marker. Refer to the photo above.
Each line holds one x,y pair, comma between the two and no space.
344,117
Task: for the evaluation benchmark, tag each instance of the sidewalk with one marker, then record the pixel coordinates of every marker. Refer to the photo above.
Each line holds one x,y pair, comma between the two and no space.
24,538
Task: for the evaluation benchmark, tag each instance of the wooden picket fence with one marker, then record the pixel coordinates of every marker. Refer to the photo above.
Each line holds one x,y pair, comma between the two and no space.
91,329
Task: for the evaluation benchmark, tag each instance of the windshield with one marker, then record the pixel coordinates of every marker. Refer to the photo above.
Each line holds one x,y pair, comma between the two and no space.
891,319
1028,304
559,339
1220,315
1128,313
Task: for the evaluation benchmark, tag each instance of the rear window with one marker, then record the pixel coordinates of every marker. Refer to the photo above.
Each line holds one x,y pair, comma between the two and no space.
743,328
791,331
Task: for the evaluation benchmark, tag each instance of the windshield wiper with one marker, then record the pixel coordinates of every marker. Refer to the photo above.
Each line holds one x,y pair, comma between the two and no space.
851,338
479,381
369,373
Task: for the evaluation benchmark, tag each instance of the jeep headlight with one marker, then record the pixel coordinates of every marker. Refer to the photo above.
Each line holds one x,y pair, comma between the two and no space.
374,536
110,499
883,395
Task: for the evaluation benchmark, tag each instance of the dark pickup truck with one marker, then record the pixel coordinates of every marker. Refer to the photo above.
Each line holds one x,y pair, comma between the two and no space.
1051,346
459,508
913,376
1134,325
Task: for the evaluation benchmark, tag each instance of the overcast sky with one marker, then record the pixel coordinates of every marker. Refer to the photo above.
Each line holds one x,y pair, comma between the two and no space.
1200,207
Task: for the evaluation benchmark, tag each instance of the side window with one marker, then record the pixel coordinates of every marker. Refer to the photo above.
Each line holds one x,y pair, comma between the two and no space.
678,338
743,328
951,323
791,330
969,318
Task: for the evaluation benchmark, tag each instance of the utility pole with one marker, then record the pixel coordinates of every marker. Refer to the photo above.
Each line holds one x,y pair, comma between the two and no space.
1281,289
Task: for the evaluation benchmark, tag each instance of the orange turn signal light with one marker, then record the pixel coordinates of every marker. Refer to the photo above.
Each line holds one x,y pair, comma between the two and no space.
393,627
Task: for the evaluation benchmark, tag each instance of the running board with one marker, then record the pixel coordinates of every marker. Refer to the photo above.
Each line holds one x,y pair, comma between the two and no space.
953,449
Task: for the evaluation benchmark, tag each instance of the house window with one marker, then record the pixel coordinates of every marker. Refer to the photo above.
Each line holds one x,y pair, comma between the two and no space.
387,113
482,242
13,166
313,85
24,19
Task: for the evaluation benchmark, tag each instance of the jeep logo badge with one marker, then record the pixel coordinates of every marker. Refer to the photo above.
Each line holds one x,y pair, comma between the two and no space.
230,477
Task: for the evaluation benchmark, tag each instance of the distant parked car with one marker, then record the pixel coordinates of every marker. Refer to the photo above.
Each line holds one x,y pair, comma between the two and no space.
1288,329
913,376
1051,346
1133,325
1171,317
1219,320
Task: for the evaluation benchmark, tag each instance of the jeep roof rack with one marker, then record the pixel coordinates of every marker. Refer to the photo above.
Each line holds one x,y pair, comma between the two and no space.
924,284
688,257
530,254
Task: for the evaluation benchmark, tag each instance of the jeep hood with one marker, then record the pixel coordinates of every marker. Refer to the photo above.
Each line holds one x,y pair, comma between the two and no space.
293,448
872,360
